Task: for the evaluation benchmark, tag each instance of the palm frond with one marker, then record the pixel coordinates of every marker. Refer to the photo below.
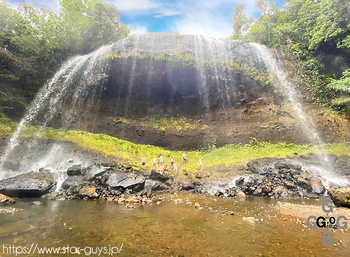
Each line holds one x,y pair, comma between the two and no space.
340,85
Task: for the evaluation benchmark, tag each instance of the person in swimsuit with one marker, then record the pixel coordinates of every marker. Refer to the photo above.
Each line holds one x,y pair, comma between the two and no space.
154,163
200,164
171,161
161,159
166,167
184,157
175,167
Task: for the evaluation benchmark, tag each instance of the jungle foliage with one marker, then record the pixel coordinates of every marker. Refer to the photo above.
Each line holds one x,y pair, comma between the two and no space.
314,33
34,41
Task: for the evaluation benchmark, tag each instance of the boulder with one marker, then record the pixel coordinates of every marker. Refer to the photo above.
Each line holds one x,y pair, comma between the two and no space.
303,182
117,180
31,184
4,200
50,196
160,177
316,186
340,196
74,170
241,194
280,191
72,181
286,165
88,192
239,182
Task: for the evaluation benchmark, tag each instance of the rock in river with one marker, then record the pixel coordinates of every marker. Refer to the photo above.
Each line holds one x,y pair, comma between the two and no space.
31,184
117,180
4,200
340,196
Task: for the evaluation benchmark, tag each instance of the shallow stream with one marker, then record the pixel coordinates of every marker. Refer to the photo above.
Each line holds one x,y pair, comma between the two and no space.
172,227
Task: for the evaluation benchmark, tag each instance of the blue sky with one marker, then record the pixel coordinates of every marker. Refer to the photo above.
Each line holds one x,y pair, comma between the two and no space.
211,18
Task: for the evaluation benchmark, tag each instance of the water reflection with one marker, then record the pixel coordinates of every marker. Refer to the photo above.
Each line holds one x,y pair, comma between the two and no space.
172,228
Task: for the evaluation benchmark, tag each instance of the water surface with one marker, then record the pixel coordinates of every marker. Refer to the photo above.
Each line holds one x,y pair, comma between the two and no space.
170,228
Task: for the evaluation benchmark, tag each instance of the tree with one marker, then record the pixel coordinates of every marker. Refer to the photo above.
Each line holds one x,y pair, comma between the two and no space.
342,86
35,41
241,24
89,24
332,24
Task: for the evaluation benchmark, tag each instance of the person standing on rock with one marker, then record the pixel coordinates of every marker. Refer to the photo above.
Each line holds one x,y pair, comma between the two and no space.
184,158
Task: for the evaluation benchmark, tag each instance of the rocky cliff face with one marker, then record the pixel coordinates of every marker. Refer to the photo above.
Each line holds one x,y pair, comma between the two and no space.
175,91
184,92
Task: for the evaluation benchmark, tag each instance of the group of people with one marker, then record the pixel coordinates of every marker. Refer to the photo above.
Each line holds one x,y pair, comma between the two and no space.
160,166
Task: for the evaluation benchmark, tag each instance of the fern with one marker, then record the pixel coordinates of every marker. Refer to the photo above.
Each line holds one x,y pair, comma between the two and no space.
344,100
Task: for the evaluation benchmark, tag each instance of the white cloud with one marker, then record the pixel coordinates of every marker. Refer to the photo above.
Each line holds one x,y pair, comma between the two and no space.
205,17
136,28
136,6
210,18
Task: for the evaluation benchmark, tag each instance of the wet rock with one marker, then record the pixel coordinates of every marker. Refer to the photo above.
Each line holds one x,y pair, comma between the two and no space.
285,165
50,196
201,175
331,158
159,177
304,175
289,184
7,210
31,184
239,182
109,164
342,160
89,192
188,186
280,191
316,186
4,200
266,189
241,194
197,205
340,196
303,182
117,180
156,186
75,170
184,172
72,181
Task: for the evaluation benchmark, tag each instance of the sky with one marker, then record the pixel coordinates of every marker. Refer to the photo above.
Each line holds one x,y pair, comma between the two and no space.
212,18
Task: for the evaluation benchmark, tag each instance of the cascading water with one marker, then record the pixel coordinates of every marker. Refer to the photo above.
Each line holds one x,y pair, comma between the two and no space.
277,74
84,72
141,75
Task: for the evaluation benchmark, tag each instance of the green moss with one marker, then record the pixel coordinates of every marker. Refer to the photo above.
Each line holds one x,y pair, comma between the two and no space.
7,125
229,155
189,60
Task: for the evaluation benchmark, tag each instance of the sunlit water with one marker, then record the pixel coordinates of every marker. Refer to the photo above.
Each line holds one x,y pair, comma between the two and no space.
170,228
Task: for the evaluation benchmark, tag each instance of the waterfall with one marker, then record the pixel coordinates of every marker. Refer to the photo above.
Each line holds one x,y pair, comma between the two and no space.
75,80
130,77
282,83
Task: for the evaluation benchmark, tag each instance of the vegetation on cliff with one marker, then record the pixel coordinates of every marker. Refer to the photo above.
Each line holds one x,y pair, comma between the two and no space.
315,34
222,158
34,41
